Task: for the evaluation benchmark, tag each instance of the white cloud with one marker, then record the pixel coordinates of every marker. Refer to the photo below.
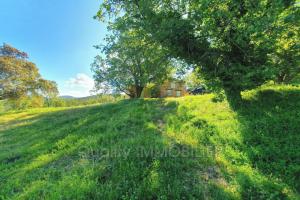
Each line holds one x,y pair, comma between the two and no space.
81,80
78,86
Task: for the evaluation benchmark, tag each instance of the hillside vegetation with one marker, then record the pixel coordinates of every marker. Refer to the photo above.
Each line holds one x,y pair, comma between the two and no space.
185,148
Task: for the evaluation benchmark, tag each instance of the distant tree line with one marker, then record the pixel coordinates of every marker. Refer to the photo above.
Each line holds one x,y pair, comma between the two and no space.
96,99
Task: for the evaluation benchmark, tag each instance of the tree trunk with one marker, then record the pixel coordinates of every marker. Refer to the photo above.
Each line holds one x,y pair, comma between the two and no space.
281,78
138,91
234,97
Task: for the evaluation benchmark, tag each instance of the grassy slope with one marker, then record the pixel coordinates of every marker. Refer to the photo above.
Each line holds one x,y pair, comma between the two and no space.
155,149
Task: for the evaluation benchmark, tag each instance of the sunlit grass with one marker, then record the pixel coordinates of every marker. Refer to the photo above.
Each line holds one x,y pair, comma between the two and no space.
174,148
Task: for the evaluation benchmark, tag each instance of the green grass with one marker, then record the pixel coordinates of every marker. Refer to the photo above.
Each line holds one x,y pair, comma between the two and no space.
185,148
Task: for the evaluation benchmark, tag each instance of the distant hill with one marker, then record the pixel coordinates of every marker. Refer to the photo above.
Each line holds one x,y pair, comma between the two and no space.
88,97
81,98
67,97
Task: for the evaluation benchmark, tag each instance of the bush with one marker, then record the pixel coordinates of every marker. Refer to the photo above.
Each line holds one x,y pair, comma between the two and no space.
24,102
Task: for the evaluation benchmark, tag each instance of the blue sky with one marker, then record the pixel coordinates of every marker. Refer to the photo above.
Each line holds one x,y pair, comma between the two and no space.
58,35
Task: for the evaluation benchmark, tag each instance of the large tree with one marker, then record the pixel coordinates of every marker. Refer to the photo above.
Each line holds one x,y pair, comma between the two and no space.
232,42
20,77
130,62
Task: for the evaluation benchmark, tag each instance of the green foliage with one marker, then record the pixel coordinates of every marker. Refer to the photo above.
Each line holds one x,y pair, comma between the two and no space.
20,78
9,51
25,102
296,80
130,63
151,90
287,54
176,148
193,80
235,44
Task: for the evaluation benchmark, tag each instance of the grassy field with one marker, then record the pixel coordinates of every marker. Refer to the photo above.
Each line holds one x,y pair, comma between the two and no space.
185,148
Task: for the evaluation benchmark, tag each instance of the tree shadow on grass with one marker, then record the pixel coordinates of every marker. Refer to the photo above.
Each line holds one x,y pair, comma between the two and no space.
270,128
114,151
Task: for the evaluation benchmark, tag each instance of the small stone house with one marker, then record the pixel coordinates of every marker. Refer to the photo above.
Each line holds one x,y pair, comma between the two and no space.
170,88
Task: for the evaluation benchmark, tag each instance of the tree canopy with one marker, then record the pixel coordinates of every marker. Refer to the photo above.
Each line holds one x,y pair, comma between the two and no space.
130,62
235,44
20,77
